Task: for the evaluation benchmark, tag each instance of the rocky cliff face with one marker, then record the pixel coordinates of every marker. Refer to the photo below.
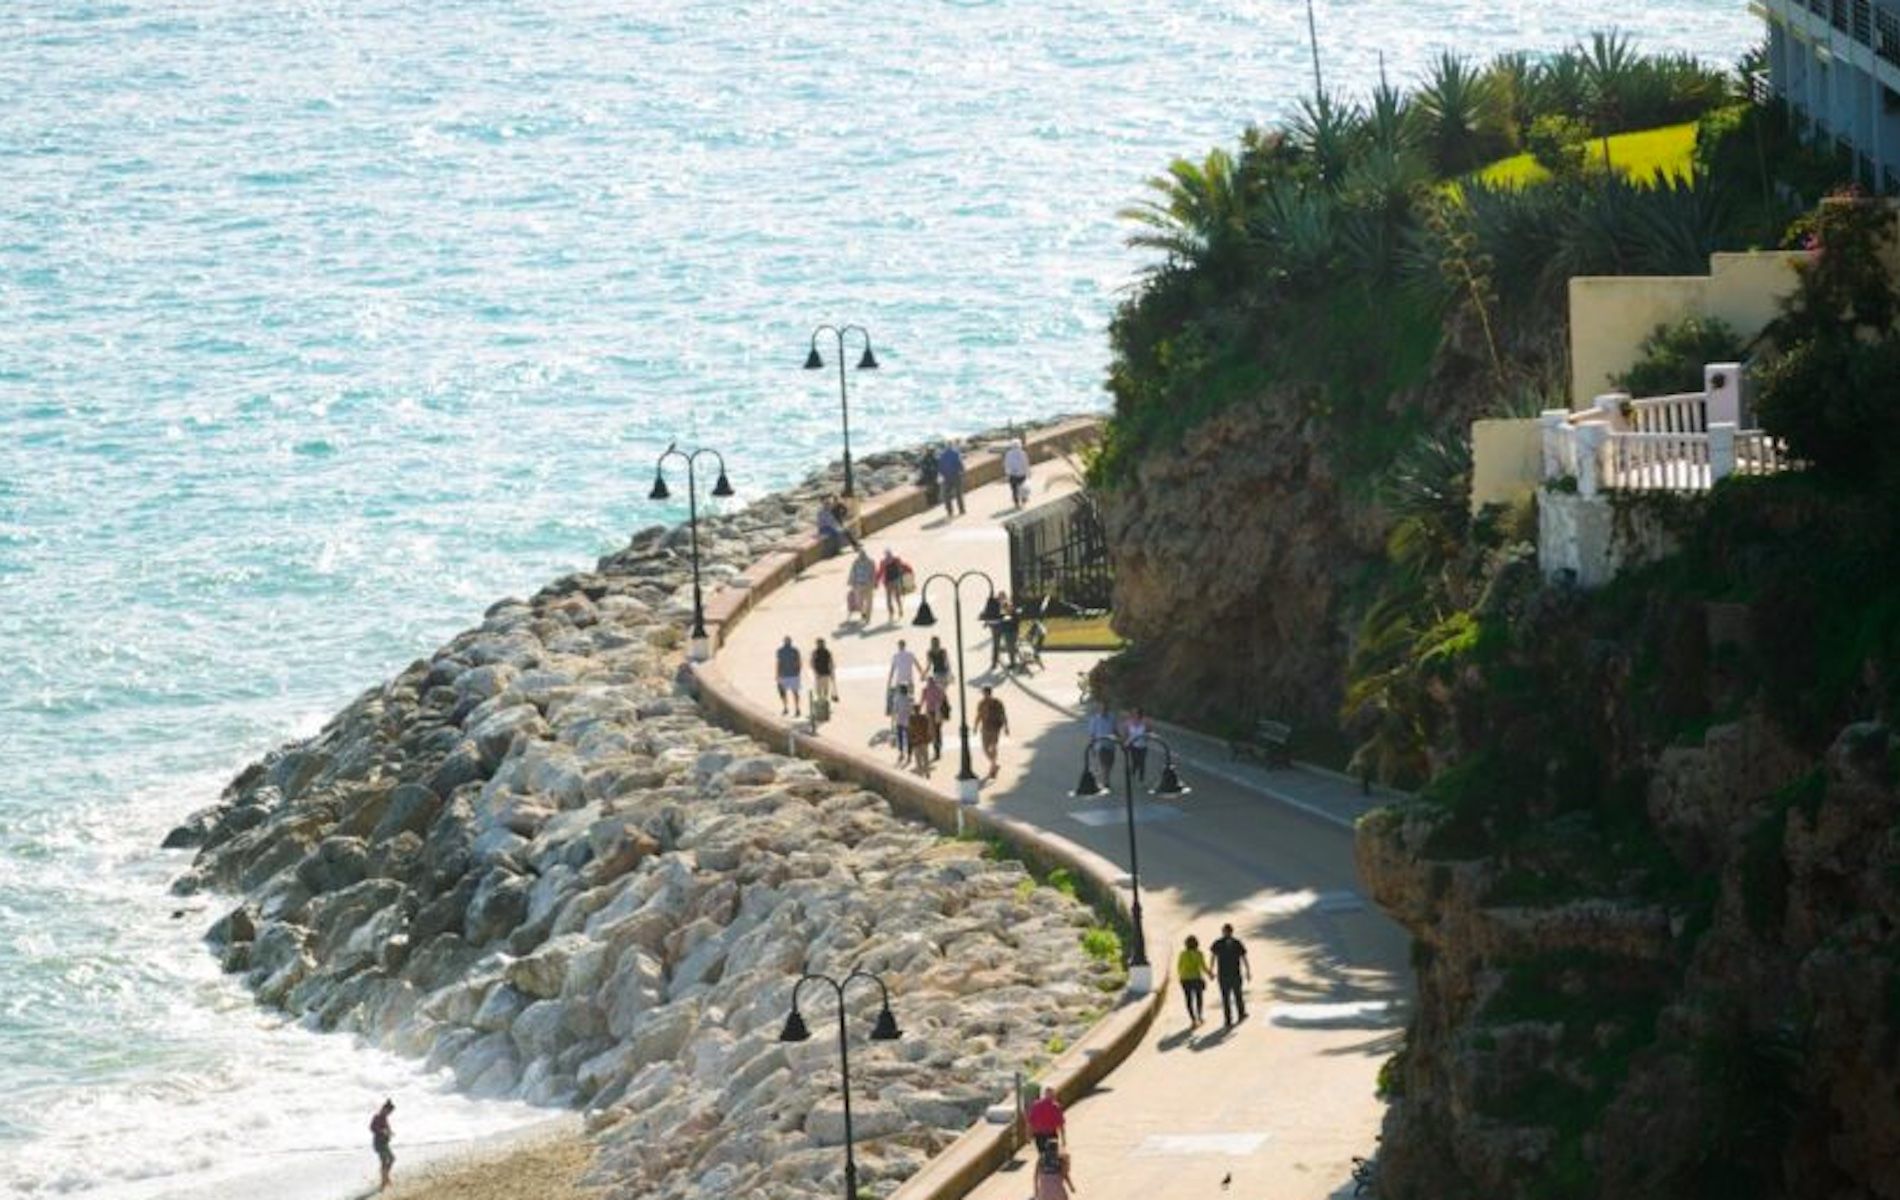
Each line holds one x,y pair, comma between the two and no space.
531,861
1740,1038
1232,555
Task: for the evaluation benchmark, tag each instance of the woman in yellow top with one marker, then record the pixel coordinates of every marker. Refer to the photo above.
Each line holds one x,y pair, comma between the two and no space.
1191,969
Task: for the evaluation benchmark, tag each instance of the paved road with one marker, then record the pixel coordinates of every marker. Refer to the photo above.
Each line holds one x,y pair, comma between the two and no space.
1280,1102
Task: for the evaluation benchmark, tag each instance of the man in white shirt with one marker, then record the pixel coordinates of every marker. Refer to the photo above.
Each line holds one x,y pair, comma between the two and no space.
1016,469
899,686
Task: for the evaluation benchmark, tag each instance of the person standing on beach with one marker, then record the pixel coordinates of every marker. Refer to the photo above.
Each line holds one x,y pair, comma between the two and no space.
1191,969
1016,469
992,722
950,479
1230,959
380,1135
791,668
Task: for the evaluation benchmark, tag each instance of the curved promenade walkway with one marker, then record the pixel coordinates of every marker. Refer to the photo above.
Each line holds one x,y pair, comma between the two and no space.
1280,1103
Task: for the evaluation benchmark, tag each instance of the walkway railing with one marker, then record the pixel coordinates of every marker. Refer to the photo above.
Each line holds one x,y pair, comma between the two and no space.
1681,443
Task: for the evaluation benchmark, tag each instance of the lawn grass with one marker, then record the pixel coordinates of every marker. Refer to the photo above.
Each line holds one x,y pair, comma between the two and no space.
1637,156
1081,633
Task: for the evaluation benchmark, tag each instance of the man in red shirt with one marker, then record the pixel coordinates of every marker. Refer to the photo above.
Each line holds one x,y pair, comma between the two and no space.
1046,1121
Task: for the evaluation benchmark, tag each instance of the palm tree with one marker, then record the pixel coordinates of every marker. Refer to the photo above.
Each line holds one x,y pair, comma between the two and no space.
1610,65
1456,108
1198,216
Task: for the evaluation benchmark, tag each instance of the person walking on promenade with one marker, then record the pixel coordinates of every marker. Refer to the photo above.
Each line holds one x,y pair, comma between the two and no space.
1135,731
1230,959
1052,1177
936,703
950,479
891,572
1101,730
1191,969
996,615
824,673
859,583
920,730
380,1136
992,722
1016,470
900,684
791,668
1047,1121
938,660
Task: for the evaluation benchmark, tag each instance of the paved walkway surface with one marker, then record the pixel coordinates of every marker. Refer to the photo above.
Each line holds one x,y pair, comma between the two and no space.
1277,1105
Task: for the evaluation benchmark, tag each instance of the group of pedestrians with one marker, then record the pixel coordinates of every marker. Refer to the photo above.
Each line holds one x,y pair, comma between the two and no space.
866,578
1109,732
941,473
1229,967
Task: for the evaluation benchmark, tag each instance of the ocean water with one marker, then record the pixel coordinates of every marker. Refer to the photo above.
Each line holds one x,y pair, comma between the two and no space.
324,323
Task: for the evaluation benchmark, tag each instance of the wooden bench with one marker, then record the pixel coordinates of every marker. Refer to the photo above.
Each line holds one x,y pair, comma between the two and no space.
1271,742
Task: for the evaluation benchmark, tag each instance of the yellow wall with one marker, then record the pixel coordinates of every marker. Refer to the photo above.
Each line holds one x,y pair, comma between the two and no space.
1611,315
1507,460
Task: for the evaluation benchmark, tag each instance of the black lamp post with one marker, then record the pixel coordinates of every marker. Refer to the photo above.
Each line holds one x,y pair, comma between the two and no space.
885,1030
1170,787
966,776
701,648
866,362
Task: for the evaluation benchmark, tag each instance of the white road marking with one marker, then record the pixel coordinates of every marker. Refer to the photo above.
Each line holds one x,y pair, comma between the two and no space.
1145,814
1352,1014
1186,1145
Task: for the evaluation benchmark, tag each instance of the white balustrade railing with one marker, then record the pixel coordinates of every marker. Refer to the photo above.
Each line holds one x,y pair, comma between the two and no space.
1684,443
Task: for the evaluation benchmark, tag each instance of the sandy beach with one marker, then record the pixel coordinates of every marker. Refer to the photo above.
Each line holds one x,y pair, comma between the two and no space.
544,1161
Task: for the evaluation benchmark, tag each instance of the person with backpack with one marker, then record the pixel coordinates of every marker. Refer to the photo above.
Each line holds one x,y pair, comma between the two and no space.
936,703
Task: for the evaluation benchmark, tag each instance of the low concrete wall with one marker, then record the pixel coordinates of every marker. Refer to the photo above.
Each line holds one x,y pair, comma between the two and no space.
1588,541
985,1147
1611,315
1507,460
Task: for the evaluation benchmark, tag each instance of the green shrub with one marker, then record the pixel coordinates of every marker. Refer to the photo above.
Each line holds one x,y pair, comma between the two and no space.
1672,356
1559,144
1063,881
1103,944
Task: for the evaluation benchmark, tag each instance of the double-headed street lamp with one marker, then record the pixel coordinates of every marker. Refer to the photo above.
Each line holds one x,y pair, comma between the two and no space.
867,362
966,776
885,1030
1170,787
701,648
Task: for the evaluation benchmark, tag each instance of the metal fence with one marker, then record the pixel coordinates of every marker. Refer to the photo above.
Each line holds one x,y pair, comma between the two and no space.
1058,552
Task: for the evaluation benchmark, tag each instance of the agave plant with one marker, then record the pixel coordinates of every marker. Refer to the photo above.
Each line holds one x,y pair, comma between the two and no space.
1388,122
1457,114
1328,131
1294,232
1198,216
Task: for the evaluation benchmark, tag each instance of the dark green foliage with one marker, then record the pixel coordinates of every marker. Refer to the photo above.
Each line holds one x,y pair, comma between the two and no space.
1751,1079
1834,391
1673,356
1458,116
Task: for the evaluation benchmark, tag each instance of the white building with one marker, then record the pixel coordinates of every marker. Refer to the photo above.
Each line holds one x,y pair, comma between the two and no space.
1837,64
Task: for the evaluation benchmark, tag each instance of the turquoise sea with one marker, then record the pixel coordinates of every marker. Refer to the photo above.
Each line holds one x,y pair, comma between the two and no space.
324,323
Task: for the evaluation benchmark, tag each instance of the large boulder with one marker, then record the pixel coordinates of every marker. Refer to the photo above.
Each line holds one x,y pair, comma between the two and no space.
499,904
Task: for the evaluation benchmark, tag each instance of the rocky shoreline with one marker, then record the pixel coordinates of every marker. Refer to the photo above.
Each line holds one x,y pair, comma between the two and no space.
530,859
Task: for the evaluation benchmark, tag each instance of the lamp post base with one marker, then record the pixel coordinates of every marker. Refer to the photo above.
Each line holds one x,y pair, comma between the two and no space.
967,790
1141,980
699,648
